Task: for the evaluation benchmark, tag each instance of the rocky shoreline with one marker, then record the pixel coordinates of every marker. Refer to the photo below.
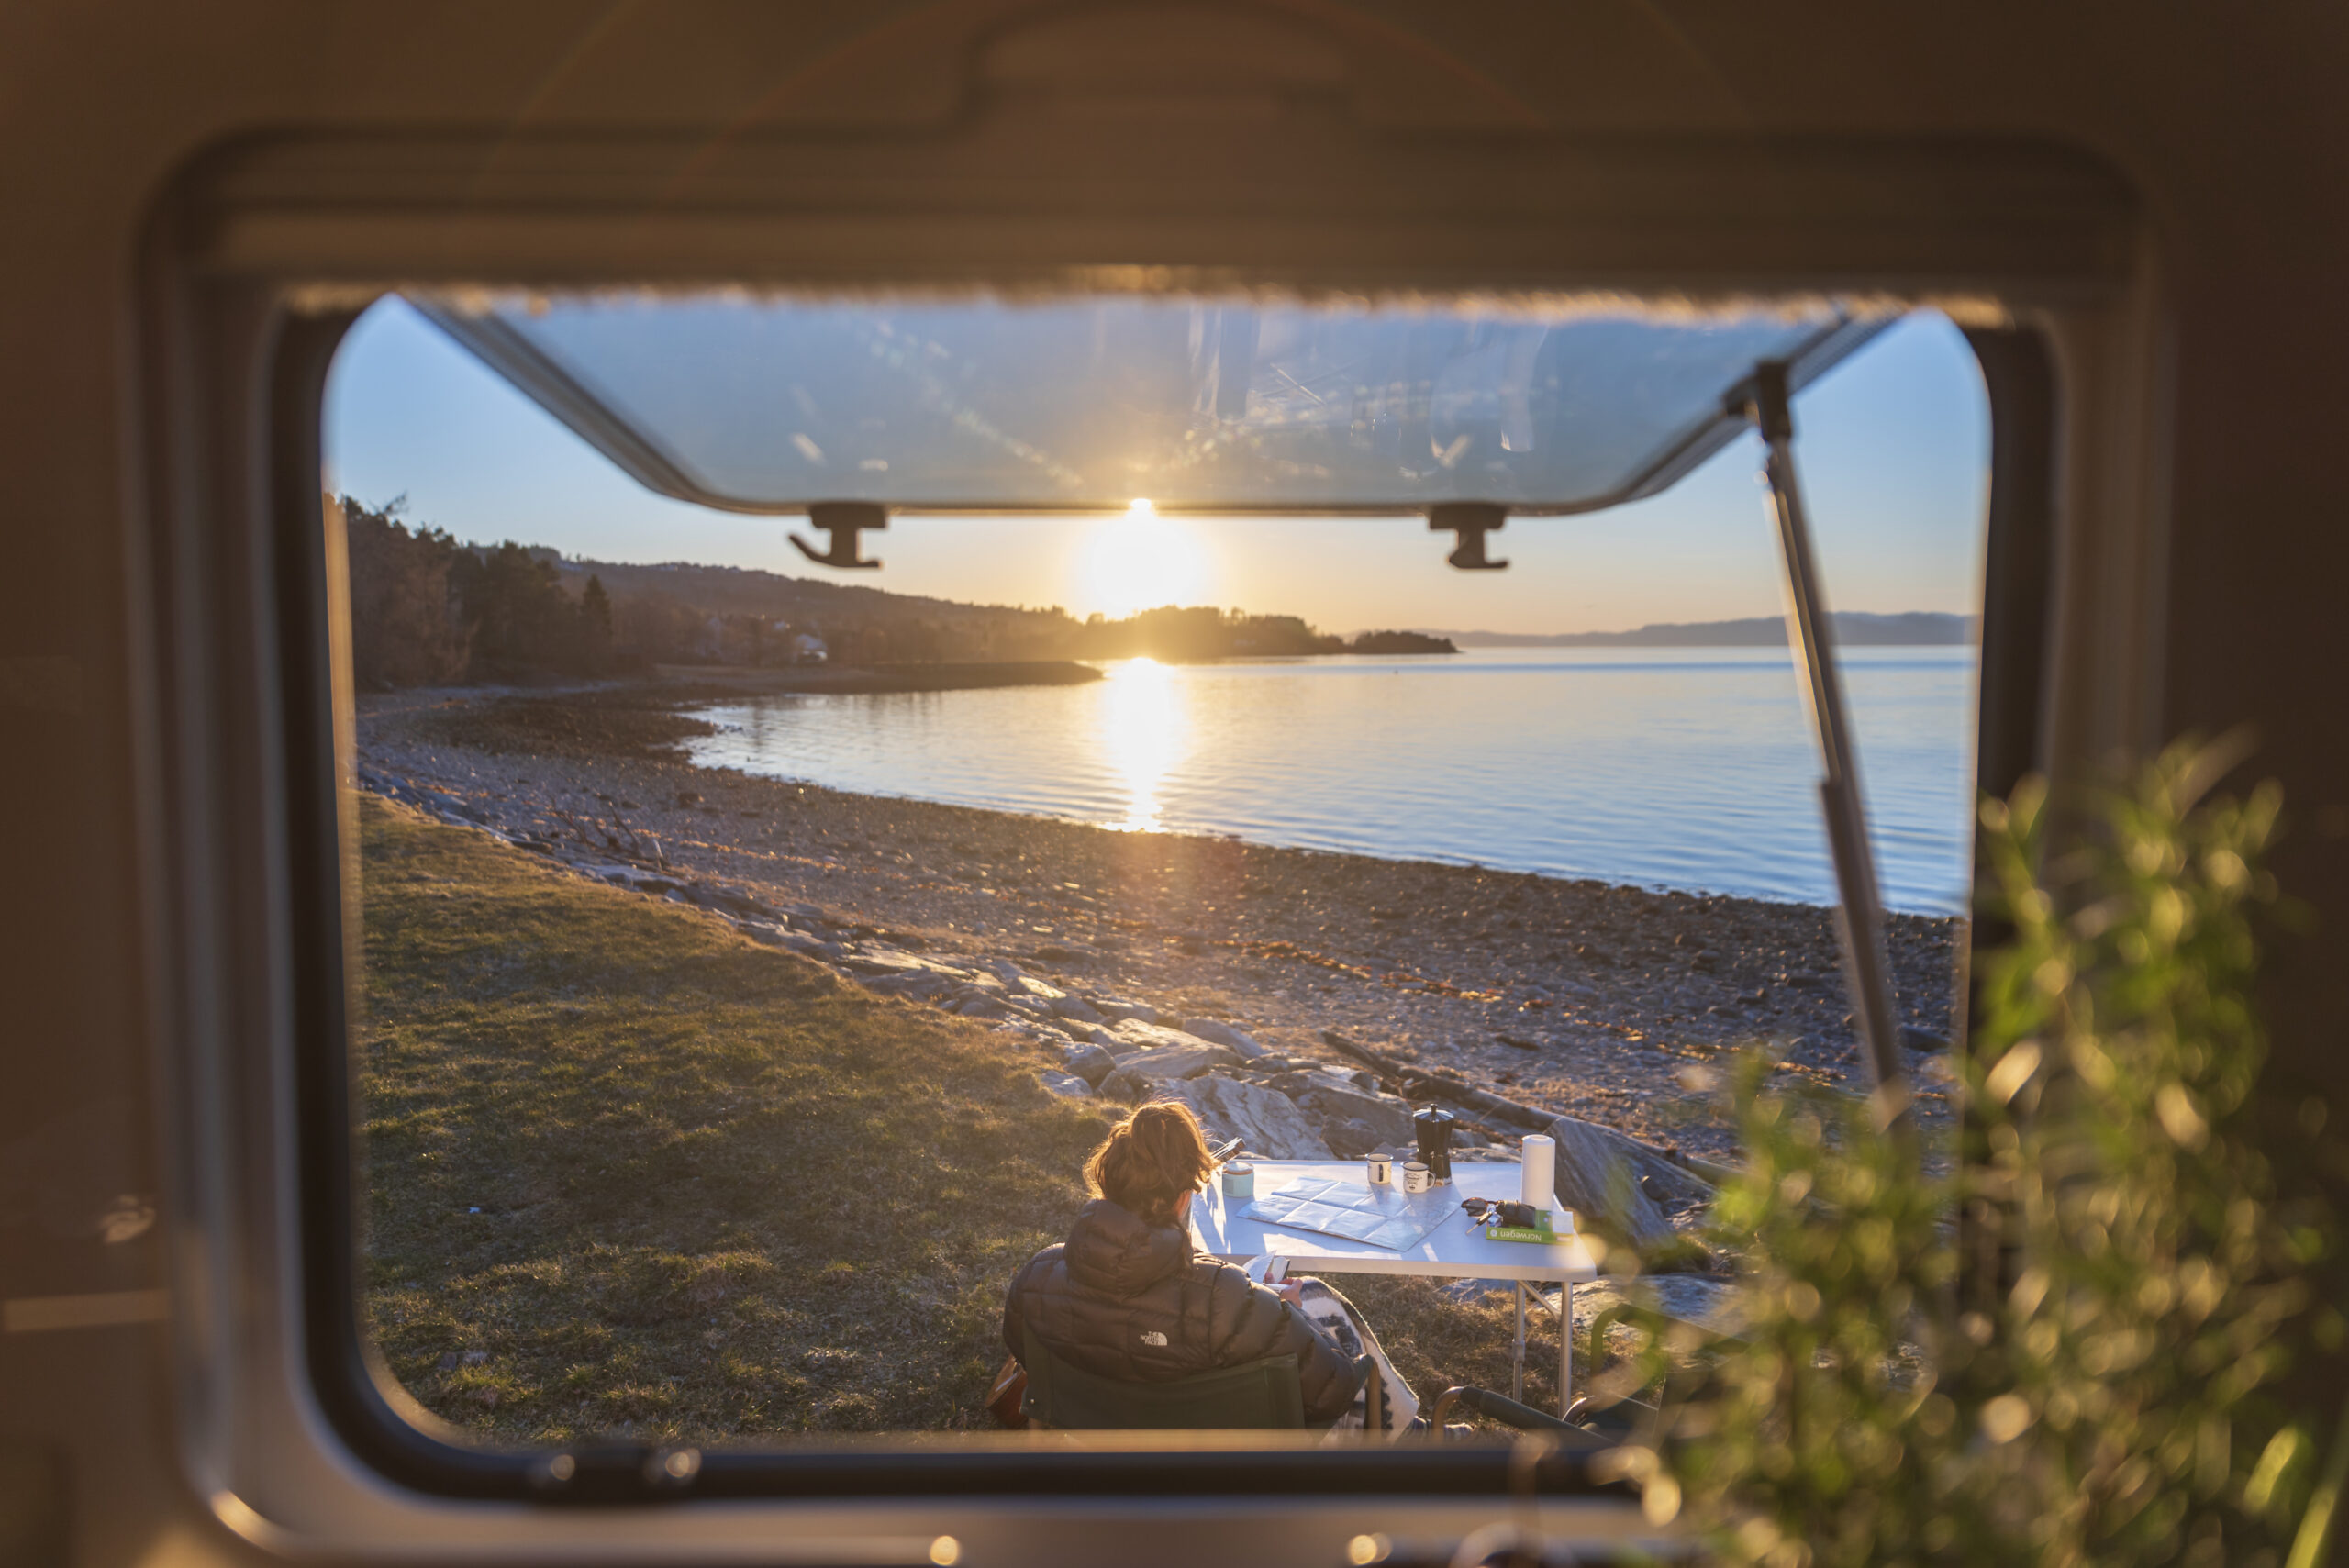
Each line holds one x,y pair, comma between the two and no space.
1231,974
838,679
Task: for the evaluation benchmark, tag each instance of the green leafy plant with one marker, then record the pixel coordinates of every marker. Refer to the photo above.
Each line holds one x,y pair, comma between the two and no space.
1818,1433
2110,1400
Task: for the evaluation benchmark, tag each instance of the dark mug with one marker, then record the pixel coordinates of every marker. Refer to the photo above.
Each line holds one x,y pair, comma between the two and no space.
1433,1129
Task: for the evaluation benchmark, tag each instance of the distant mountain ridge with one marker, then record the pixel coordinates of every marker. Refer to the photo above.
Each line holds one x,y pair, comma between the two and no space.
1856,628
749,590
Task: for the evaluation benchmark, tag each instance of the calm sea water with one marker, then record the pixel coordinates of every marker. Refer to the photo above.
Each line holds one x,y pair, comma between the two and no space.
1687,768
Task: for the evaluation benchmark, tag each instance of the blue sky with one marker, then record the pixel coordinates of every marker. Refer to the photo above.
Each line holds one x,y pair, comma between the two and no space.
1893,449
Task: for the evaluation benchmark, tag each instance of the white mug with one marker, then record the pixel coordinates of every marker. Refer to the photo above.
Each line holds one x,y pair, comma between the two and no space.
1382,1170
1415,1177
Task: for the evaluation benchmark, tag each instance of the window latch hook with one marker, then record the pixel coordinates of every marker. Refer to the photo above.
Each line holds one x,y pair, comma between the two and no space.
844,521
1469,522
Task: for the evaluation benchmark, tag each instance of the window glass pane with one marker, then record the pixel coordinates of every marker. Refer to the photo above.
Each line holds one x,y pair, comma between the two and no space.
773,404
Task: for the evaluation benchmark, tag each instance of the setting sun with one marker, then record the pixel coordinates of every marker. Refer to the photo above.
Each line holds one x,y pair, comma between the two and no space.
1138,562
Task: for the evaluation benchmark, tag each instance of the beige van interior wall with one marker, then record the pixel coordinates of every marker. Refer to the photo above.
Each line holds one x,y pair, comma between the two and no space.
2201,581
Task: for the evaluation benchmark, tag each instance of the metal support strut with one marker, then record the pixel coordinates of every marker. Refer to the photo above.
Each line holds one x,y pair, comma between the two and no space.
1861,914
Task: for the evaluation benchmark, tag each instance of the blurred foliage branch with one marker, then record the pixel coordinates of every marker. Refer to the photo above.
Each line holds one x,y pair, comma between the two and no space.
2111,1400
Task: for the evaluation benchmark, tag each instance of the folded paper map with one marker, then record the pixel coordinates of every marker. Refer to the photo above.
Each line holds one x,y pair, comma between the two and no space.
1388,1217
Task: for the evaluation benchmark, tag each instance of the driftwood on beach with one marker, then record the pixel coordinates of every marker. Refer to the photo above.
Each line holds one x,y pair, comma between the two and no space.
1413,1082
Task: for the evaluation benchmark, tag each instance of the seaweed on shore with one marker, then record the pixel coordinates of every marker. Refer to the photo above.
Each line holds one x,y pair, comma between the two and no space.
626,721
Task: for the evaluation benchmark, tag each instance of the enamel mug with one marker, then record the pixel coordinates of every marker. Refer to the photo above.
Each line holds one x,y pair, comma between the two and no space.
1382,1170
1415,1177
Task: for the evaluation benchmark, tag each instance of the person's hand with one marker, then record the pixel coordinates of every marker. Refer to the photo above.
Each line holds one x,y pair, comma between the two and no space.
1291,1292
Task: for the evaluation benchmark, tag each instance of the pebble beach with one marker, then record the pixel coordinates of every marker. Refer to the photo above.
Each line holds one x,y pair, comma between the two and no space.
1616,1004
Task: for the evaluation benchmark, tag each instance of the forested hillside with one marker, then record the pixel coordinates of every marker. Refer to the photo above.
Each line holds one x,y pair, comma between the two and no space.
428,609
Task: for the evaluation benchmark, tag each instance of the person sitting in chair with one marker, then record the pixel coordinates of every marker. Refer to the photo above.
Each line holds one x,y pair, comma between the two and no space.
1125,1297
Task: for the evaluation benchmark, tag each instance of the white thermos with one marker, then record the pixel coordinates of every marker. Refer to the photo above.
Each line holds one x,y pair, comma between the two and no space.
1538,1177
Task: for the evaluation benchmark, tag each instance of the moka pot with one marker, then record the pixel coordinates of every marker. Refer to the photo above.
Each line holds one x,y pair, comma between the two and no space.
1433,1129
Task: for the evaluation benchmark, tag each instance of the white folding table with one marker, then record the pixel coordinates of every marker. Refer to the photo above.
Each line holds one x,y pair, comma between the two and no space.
1454,1249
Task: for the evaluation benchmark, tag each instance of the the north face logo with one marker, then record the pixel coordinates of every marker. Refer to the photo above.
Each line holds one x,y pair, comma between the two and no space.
1152,1337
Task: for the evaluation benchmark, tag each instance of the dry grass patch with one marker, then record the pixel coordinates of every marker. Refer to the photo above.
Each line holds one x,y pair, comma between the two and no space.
630,1173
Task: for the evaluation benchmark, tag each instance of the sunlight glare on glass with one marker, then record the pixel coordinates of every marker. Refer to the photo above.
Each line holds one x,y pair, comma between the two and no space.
1139,561
1143,733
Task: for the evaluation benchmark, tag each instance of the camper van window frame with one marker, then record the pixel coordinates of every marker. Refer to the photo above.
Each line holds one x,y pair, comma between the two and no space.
355,1390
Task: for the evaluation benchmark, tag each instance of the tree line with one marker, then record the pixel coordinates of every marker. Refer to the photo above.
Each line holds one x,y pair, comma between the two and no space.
427,609
1180,632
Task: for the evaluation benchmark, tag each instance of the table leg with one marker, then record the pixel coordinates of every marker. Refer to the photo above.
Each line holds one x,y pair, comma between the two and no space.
1517,1366
1565,1346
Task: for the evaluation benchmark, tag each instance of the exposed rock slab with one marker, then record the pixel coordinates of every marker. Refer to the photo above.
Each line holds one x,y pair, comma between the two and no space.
1223,1034
1267,1123
1172,1063
1615,1180
920,986
1090,1063
887,961
1075,1009
1145,1075
1354,1120
1134,1034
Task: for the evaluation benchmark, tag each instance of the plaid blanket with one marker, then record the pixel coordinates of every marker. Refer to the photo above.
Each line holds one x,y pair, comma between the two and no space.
1386,1407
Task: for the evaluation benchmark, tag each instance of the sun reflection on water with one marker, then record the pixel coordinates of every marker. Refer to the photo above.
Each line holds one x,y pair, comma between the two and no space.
1143,733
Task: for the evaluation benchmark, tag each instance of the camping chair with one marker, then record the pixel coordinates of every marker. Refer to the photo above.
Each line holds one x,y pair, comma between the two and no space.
1261,1395
1258,1395
1571,1438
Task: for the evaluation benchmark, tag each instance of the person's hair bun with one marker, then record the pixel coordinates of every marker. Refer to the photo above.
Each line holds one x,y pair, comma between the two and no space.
1150,1160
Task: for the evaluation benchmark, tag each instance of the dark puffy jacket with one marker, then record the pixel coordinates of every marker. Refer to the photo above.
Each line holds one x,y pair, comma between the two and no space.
1122,1299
